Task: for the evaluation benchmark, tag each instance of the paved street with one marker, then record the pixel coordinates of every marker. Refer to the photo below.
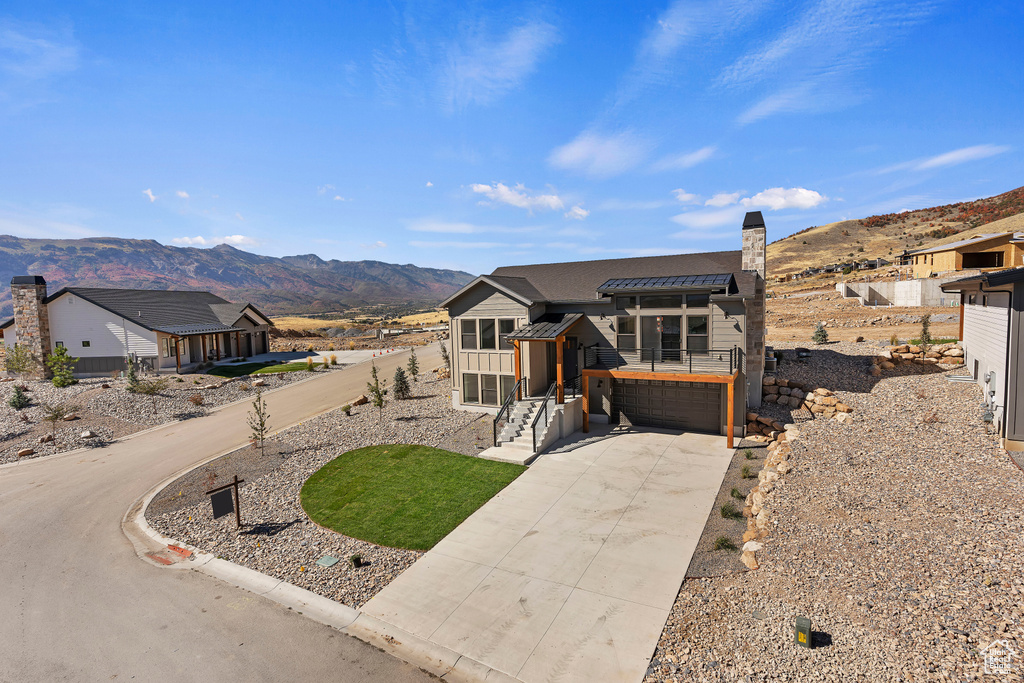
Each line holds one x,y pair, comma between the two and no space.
570,572
78,604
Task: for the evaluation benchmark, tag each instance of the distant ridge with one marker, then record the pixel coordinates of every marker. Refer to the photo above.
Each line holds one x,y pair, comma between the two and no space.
292,284
887,235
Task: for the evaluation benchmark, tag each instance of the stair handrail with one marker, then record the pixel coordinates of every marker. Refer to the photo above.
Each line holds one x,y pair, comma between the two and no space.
543,411
505,408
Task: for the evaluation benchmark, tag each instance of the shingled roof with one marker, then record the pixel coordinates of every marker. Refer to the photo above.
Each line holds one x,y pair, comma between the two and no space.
579,280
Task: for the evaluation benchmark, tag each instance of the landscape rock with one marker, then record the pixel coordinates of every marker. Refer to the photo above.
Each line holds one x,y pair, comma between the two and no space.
25,452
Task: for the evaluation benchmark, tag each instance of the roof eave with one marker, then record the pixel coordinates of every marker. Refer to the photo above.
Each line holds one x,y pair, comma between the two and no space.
483,279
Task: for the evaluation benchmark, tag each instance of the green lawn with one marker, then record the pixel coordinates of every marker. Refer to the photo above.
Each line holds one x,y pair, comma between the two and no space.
241,369
402,496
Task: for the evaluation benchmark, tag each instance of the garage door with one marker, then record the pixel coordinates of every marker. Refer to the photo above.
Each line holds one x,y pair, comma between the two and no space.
693,406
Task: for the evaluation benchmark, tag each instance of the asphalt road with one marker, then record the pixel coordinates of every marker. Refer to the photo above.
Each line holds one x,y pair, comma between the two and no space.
77,603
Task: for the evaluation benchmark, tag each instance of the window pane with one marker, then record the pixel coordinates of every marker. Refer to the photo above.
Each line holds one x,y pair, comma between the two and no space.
697,300
489,390
469,335
506,326
470,390
487,340
507,382
661,301
624,302
697,324
626,325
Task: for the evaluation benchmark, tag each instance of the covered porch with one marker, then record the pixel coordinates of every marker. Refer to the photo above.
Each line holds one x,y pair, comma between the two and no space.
192,345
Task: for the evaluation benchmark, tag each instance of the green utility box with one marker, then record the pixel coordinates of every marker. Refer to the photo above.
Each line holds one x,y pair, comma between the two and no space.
802,636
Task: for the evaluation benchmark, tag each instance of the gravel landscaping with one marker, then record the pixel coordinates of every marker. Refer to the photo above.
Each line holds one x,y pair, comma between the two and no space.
897,534
277,537
113,412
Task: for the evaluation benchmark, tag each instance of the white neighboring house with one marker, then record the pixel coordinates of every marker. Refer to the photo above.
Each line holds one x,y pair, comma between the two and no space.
165,330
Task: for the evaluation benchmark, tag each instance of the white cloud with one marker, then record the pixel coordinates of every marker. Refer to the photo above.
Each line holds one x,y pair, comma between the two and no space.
182,194
710,218
723,199
481,68
960,156
430,184
777,198
239,216
684,161
199,241
149,193
430,225
376,245
339,198
324,189
577,213
518,196
685,197
601,155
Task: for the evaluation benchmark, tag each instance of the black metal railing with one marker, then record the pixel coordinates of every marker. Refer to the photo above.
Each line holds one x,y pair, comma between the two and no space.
543,410
573,386
506,408
684,361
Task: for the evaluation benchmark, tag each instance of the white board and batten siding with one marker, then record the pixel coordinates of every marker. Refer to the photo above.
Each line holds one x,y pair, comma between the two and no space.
985,330
74,320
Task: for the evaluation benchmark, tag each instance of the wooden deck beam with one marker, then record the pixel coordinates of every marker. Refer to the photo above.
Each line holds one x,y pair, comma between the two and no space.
560,370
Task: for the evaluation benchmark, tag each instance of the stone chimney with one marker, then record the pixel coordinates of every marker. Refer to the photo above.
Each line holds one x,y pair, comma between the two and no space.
31,322
754,242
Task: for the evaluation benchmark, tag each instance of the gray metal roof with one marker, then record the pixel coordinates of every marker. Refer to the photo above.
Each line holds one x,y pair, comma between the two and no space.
669,282
548,326
995,279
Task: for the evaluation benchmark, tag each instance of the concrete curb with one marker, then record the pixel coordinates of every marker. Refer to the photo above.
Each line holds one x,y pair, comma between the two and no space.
435,659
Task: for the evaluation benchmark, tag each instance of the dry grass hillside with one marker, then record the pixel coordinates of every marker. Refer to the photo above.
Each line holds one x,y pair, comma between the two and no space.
889,234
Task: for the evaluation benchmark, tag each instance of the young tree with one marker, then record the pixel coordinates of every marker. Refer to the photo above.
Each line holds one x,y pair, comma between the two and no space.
820,334
151,388
378,392
19,360
54,414
132,375
62,366
926,331
414,366
19,399
401,385
259,418
444,354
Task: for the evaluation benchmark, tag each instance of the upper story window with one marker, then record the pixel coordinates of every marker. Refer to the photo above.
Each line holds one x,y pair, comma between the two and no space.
505,326
661,301
487,338
86,344
697,300
468,340
625,332
624,302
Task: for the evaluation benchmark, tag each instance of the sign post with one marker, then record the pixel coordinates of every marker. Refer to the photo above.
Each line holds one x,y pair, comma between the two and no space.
222,502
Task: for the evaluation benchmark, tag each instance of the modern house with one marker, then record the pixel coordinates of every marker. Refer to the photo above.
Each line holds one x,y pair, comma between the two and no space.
668,341
991,328
164,330
982,252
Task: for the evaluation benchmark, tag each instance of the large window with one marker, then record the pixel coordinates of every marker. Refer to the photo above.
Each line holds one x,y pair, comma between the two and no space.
506,326
697,332
487,338
470,388
489,390
625,328
166,347
661,301
697,300
468,335
624,302
507,382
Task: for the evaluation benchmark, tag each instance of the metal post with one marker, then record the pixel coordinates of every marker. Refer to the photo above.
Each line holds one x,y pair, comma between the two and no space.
238,505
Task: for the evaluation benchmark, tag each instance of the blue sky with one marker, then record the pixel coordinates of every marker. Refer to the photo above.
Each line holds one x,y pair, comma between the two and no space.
474,135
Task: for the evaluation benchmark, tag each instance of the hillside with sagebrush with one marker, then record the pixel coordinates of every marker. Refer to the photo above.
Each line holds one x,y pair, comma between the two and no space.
293,284
889,234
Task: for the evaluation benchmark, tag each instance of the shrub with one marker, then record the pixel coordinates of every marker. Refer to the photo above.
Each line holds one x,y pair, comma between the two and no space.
356,560
151,388
19,400
334,359
414,365
748,473
196,399
737,494
729,511
401,384
61,365
347,409
724,543
326,364
926,330
330,347
178,379
820,334
54,414
309,361
19,360
310,348
748,454
894,340
444,355
351,346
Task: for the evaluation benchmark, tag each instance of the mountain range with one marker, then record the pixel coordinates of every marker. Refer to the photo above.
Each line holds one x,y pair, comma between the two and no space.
291,284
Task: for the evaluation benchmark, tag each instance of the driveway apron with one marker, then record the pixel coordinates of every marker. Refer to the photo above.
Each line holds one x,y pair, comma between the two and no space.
570,572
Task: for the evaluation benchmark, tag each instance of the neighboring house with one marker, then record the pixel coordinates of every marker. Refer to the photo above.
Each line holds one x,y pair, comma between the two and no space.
669,341
906,258
165,330
991,328
981,252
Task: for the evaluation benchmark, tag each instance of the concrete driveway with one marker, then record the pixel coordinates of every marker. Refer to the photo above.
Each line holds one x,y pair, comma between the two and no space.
570,572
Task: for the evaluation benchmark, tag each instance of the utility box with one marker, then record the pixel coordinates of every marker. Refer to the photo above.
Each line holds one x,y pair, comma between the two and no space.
802,635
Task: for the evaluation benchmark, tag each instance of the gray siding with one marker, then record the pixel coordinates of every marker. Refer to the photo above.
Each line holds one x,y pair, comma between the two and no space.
485,301
1015,374
727,332
985,330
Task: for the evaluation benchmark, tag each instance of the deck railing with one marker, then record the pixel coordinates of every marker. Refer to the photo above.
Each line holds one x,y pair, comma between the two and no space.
678,361
506,409
543,411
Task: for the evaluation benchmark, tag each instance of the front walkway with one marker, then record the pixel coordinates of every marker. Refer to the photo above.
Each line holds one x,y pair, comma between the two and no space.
570,572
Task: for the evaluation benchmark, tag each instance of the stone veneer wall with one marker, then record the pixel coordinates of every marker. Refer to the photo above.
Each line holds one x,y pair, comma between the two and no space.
32,324
754,260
